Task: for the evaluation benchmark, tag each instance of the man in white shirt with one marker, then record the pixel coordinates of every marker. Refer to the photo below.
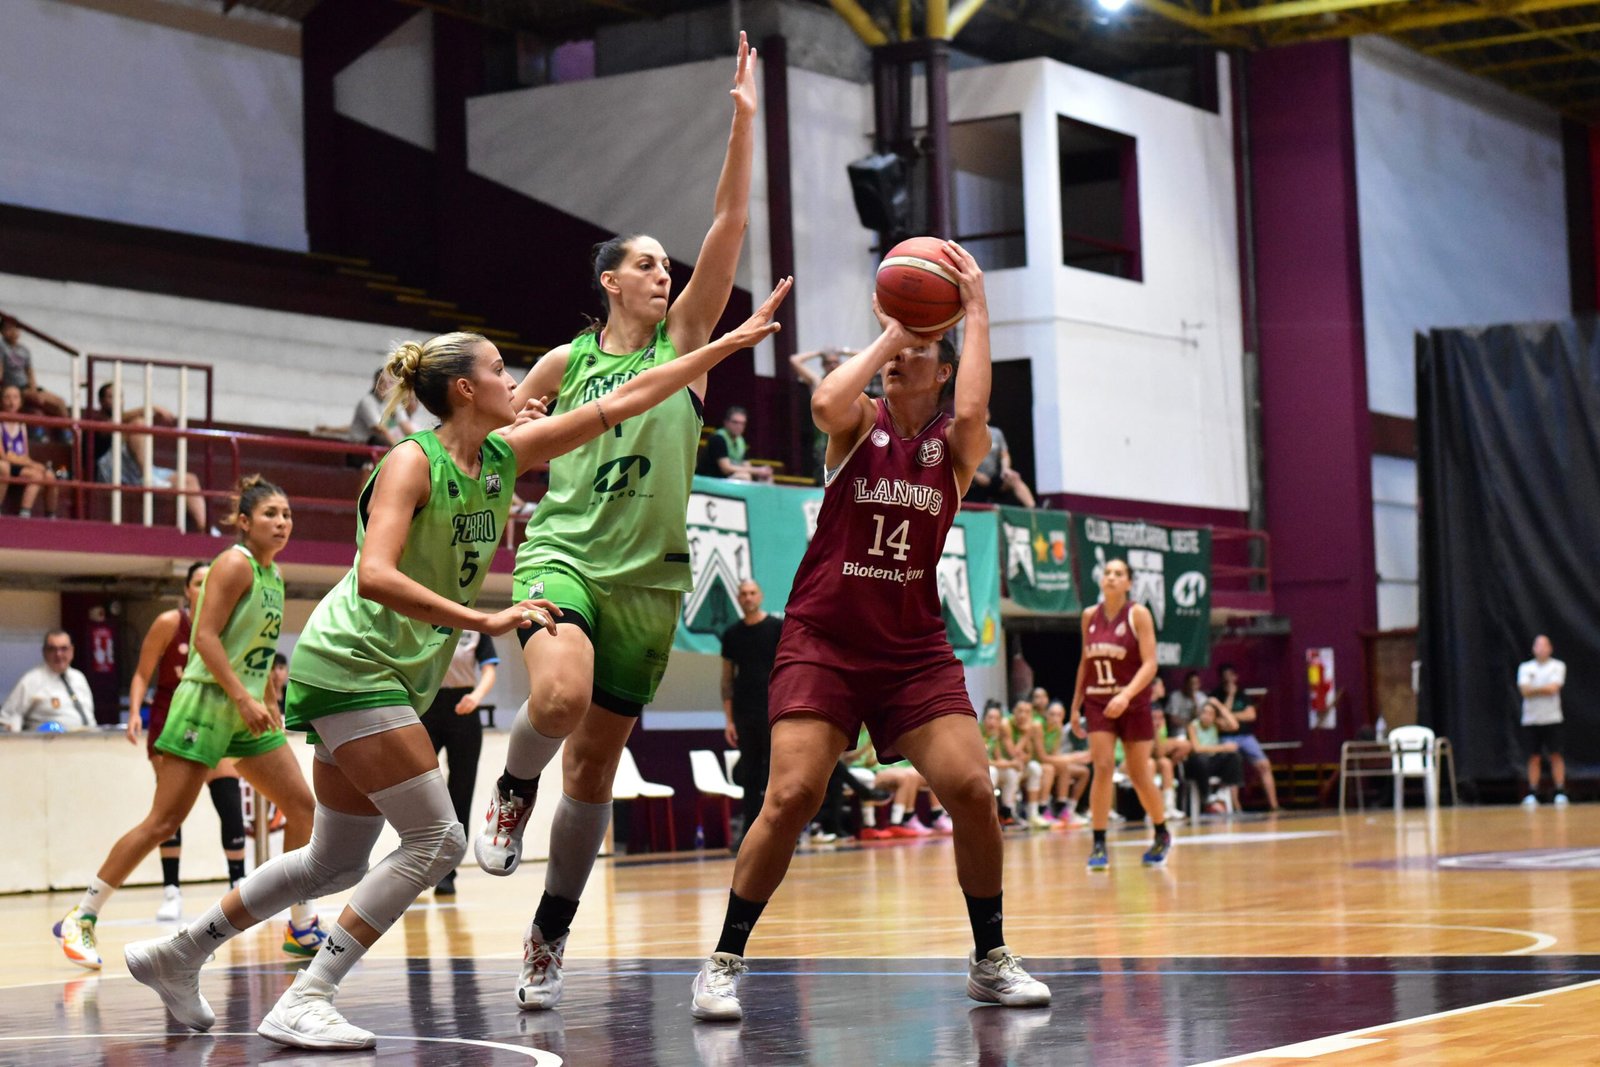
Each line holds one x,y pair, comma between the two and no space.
53,692
1540,680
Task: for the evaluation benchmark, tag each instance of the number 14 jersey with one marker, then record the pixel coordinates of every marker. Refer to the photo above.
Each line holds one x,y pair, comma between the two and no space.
869,579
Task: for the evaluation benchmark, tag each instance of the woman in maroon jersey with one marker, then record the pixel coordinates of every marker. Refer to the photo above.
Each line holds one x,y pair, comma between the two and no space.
864,637
162,657
1114,674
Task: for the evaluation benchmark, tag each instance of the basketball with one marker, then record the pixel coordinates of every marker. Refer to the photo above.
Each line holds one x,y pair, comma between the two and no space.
917,285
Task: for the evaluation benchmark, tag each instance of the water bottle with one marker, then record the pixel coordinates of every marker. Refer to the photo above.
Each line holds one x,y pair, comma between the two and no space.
699,835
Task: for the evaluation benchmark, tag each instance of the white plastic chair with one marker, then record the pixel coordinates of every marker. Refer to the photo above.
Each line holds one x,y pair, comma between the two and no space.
629,784
1411,754
711,782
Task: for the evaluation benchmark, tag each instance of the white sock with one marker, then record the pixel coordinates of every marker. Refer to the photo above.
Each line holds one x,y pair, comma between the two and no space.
95,897
577,834
204,936
338,954
897,814
528,751
302,912
869,815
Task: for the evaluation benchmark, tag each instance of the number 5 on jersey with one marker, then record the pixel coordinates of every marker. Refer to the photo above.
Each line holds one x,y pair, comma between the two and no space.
899,539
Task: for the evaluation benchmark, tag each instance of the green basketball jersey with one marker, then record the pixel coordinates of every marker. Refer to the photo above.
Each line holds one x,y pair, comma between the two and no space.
353,645
250,637
617,505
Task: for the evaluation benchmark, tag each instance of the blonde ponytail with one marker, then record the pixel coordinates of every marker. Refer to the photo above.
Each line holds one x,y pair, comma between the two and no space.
426,370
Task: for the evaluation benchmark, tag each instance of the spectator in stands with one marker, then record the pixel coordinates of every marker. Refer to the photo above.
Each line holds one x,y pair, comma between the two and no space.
748,649
1236,717
1170,750
277,678
1211,757
53,695
18,464
367,424
132,471
1072,766
827,360
1183,707
900,779
994,481
16,367
1540,680
1005,769
723,455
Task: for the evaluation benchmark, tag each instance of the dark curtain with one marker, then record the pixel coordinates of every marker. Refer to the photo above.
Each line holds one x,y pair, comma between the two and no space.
1508,434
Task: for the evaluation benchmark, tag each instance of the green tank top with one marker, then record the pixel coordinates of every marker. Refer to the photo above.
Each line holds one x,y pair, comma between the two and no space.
616,507
992,743
352,645
1052,741
250,636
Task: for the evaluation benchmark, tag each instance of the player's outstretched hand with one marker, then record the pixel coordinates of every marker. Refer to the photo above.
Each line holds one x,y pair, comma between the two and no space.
970,277
744,79
521,616
760,326
537,407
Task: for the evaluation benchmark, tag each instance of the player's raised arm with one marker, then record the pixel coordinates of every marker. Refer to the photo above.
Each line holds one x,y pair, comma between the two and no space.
839,406
969,431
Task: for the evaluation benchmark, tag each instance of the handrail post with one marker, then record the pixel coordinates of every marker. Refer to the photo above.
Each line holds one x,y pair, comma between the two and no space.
182,477
116,444
149,449
75,409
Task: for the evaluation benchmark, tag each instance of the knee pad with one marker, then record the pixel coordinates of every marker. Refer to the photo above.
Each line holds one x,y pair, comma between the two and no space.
432,844
230,811
1035,772
334,860
430,852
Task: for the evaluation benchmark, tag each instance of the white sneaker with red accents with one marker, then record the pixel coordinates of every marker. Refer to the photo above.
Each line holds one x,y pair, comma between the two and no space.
539,986
499,846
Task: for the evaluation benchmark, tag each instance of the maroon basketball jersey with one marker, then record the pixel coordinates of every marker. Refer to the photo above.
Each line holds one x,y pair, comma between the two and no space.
169,672
1112,650
870,576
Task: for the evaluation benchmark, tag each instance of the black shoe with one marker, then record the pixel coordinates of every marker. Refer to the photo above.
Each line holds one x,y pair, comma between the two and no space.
446,886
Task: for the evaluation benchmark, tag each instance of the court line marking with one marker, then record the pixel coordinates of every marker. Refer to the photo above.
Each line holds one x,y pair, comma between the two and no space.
1285,1051
540,1057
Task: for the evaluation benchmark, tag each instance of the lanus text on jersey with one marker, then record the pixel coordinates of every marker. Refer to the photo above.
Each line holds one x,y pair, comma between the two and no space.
900,493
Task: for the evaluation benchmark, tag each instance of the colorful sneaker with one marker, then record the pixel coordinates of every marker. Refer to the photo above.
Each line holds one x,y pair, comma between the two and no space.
171,909
1038,822
1561,799
76,934
910,828
539,987
499,847
1098,860
874,833
716,988
159,964
305,1017
943,825
998,978
304,940
1156,854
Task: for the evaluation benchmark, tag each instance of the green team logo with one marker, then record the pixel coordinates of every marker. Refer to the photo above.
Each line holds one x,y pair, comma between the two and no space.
617,475
719,559
601,384
955,591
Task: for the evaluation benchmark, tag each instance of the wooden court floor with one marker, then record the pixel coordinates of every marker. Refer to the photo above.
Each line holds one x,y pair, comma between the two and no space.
1468,936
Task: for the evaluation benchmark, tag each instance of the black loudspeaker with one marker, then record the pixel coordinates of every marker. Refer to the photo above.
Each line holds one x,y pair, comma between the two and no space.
882,193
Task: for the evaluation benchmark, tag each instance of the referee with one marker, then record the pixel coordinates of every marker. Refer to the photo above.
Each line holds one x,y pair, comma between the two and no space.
748,649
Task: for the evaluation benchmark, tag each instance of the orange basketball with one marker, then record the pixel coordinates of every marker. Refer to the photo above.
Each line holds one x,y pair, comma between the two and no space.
917,285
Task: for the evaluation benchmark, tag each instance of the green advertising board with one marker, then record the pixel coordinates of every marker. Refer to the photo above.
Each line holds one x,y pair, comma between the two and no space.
1038,560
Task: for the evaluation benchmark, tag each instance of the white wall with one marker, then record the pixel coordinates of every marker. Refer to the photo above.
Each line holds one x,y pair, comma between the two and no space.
123,120
271,368
1462,206
390,86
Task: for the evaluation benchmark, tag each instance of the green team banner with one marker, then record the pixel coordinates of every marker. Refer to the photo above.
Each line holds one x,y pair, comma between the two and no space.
1038,560
1171,569
739,530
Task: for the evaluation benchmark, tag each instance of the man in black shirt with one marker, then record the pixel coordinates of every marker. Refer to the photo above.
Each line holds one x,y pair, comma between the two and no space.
748,649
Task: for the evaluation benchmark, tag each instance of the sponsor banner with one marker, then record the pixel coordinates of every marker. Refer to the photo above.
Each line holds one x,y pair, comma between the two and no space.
1171,570
1038,559
740,530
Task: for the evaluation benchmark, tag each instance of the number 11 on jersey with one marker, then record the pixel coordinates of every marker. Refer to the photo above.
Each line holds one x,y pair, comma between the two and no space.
1102,672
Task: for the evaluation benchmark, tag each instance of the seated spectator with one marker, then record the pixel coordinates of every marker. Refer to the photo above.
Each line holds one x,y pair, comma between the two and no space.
899,779
53,695
994,481
14,443
1183,707
1005,770
723,455
1027,745
1163,760
1236,717
1210,756
1071,766
16,368
367,424
132,470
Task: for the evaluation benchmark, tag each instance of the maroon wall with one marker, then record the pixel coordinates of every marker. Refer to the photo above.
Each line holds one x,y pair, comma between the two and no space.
1315,424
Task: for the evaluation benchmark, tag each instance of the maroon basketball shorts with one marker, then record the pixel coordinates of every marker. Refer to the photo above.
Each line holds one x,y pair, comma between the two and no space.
815,675
1135,724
